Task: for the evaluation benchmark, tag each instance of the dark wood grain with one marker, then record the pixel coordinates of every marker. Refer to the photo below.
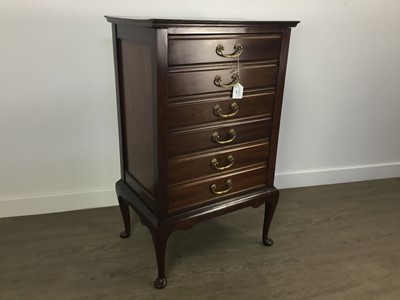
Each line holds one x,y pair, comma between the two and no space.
197,139
161,133
201,82
192,167
148,199
119,87
137,98
200,49
198,193
184,113
171,23
225,29
175,119
278,105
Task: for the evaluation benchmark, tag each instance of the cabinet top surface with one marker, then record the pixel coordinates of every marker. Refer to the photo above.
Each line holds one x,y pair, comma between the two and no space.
160,23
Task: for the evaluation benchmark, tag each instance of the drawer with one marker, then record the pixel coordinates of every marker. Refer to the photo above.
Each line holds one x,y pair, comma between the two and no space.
214,137
200,82
185,50
220,109
208,164
205,191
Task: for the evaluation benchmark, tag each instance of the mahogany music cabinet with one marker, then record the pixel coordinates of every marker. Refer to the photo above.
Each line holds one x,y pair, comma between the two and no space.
193,145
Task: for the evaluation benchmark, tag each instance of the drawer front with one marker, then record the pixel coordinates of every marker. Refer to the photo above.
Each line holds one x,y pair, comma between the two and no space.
201,193
212,164
201,82
214,137
220,109
185,50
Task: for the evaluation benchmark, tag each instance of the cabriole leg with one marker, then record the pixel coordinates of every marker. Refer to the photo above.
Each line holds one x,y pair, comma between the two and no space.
270,207
124,207
160,238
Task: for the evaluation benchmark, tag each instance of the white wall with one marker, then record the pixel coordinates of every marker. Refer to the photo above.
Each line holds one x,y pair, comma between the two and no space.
58,126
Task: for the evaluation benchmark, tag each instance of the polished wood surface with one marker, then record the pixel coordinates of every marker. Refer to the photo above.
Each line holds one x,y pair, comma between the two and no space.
248,154
278,105
190,112
191,82
200,49
187,24
189,151
341,246
198,193
196,139
137,105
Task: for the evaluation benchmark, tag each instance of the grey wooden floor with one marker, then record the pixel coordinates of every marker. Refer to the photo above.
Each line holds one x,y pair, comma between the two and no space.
331,242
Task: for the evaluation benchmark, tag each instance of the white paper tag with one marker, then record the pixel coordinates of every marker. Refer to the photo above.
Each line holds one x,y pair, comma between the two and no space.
237,91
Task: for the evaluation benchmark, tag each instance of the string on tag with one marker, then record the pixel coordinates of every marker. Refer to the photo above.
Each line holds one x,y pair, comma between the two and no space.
238,66
237,90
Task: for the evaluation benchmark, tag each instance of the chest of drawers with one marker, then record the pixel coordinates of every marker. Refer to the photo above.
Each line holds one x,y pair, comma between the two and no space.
189,151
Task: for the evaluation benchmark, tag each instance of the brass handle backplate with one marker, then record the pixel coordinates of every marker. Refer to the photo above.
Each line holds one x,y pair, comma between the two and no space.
217,139
218,111
218,81
238,50
229,185
214,163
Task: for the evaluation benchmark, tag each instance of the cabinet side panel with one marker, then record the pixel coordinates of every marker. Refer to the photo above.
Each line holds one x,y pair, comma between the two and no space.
278,105
136,99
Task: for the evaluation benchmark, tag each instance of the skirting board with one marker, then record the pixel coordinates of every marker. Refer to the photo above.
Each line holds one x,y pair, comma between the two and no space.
41,204
51,203
336,175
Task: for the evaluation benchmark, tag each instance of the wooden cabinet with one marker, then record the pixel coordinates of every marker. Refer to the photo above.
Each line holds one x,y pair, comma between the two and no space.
190,152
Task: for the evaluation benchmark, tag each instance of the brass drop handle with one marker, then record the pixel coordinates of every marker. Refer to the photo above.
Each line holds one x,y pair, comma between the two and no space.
214,163
218,81
217,139
218,111
229,185
238,50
